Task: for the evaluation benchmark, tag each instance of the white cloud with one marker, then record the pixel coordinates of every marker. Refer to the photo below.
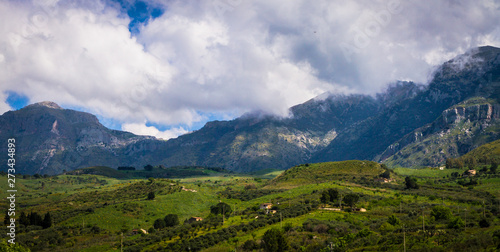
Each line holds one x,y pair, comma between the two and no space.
203,58
4,107
142,129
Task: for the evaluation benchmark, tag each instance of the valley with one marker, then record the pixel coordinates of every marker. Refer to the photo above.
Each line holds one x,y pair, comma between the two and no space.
104,213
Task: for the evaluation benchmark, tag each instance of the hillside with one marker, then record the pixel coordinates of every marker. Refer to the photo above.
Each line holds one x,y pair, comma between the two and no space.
458,130
50,139
324,172
327,128
96,213
476,73
486,153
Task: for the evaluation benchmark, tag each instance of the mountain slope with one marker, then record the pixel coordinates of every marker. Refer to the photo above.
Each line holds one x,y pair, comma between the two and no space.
485,154
476,73
327,128
458,130
50,139
256,141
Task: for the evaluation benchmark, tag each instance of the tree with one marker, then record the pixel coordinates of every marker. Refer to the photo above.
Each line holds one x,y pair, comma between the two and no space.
171,220
151,195
386,174
6,219
493,167
159,224
393,220
35,219
23,219
456,223
411,183
471,162
333,193
47,221
221,208
148,167
325,197
449,163
441,213
274,241
484,223
250,245
351,199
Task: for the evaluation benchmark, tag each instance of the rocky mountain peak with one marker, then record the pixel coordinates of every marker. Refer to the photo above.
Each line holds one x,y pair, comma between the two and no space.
47,104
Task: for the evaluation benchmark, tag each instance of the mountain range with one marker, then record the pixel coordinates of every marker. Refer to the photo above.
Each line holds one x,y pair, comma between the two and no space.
407,125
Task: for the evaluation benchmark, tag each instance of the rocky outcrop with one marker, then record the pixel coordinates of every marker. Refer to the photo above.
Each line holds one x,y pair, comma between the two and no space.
453,133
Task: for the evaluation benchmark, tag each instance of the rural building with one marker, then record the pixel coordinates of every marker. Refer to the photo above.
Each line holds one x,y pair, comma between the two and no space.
470,173
194,219
139,231
266,206
383,180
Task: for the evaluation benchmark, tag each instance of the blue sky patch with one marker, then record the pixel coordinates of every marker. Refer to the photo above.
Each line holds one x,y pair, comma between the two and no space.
139,12
17,100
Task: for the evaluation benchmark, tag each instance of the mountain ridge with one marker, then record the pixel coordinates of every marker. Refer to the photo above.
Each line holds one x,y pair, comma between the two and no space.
325,128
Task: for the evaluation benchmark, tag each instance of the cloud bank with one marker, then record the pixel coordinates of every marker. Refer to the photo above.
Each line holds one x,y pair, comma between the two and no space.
225,57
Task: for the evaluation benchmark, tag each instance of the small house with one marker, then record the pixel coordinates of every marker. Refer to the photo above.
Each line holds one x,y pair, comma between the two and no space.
139,231
194,219
266,206
469,173
383,180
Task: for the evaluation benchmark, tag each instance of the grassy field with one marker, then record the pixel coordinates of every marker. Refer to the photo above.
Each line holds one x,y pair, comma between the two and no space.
426,172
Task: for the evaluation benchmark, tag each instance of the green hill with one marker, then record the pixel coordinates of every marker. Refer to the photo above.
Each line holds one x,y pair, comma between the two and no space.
323,172
485,153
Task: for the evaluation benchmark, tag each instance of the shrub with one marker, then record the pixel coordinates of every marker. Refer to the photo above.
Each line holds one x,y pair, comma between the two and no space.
441,213
484,223
393,220
274,241
171,220
456,223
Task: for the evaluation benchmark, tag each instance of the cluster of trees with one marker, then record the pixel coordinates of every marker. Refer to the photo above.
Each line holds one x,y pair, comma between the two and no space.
332,195
274,241
126,168
210,239
411,183
32,219
170,220
221,209
470,162
454,163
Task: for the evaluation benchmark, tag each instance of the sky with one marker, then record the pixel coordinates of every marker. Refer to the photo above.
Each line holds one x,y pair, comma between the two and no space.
165,68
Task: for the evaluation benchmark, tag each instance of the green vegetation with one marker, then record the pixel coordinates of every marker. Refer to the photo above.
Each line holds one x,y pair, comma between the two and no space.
485,154
149,171
315,207
323,172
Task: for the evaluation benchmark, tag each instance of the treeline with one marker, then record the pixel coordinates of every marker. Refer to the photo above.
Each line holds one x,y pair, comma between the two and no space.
32,219
126,168
161,171
470,162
